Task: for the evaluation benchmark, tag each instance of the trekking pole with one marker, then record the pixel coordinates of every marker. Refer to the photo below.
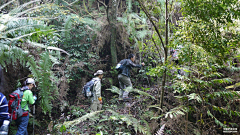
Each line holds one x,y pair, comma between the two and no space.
33,117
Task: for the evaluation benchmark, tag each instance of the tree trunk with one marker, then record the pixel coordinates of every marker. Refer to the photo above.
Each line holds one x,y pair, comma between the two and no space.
113,21
165,55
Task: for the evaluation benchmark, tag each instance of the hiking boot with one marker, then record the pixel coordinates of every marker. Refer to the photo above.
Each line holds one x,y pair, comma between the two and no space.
4,130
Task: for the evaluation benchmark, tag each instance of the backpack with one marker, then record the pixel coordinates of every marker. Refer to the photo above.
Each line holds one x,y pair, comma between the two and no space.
120,67
88,88
14,104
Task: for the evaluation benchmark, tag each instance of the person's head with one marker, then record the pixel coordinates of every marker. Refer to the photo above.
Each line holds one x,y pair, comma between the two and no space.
99,74
131,57
30,83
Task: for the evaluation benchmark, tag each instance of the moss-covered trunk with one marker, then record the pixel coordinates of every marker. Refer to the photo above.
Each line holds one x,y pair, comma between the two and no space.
113,21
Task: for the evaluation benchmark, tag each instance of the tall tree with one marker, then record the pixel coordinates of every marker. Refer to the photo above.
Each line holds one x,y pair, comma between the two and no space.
112,18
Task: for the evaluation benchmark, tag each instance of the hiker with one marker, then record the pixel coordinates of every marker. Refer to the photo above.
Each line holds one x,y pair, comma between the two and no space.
97,99
28,98
124,75
174,54
4,115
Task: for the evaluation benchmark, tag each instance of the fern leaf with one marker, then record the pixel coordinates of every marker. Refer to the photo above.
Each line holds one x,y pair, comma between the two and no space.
130,89
216,120
233,86
4,5
115,89
161,130
78,120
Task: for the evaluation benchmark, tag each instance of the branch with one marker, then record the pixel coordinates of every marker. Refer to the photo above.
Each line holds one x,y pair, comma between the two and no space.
102,3
149,17
157,50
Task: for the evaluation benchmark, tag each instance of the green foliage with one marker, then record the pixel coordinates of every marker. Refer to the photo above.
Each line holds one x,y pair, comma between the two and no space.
114,118
17,33
78,120
115,89
214,31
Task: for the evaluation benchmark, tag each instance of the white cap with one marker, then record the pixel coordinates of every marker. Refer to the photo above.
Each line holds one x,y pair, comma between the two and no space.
31,81
99,72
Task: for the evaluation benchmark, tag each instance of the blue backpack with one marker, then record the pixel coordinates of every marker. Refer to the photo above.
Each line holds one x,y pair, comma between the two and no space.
88,89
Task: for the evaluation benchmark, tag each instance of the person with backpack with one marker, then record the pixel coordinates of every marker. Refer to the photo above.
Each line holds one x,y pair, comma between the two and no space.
4,115
124,75
28,98
96,99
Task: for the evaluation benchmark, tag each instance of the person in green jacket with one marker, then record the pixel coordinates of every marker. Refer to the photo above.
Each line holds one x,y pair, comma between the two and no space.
28,98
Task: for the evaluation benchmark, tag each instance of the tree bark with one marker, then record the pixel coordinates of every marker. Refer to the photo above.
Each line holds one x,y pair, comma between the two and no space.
165,59
113,21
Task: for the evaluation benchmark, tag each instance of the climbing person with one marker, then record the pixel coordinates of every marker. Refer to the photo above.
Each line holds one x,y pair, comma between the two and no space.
28,98
96,99
124,75
4,115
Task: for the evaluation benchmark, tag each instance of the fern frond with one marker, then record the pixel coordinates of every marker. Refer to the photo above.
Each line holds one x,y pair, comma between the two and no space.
222,81
194,96
130,89
130,120
21,7
161,130
230,94
4,5
115,89
226,111
78,120
215,74
180,110
216,120
233,86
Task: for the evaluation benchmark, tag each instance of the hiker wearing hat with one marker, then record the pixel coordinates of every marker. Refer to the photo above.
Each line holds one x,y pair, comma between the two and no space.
28,98
124,75
97,99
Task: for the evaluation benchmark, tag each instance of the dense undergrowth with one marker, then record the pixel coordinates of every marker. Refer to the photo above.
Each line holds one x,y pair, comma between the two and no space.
62,43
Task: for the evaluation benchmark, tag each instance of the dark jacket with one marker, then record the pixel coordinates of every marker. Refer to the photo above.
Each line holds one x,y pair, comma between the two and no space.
4,115
128,65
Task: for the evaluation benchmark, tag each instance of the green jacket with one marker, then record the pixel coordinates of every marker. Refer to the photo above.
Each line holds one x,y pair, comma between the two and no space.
27,98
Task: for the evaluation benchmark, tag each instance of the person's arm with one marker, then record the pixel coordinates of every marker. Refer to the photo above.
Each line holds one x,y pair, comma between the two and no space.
135,65
98,91
4,108
30,98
